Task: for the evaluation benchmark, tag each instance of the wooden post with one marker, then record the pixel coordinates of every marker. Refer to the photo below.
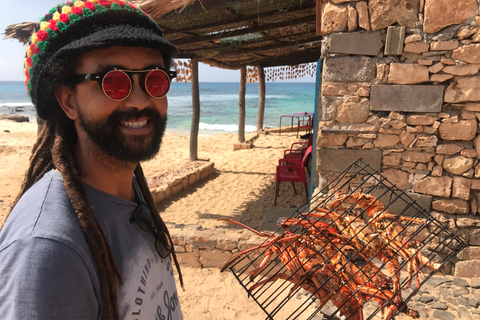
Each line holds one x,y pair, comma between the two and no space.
318,22
241,104
261,99
195,112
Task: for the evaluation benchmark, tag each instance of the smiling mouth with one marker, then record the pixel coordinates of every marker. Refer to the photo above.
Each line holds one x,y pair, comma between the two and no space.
134,124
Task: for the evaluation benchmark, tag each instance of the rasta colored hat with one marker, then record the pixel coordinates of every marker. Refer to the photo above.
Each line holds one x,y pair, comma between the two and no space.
75,27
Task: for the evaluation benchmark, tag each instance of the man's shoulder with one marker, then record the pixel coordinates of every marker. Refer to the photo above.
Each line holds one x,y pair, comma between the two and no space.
45,211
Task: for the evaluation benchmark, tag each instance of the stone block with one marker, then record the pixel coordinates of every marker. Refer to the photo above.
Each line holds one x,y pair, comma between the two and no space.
358,43
242,145
448,149
192,178
457,165
349,69
441,186
408,73
436,67
407,98
424,62
464,130
463,89
461,188
386,140
440,77
384,13
334,89
444,45
417,120
395,177
469,253
356,142
403,205
406,138
467,269
352,112
469,53
394,41
352,20
416,47
334,18
176,188
412,156
363,16
437,18
337,160
413,38
331,140
452,206
467,70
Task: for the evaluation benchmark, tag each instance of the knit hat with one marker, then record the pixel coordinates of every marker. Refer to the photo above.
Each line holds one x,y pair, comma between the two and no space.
76,27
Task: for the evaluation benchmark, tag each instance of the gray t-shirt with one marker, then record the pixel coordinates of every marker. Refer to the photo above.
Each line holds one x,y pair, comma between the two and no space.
47,270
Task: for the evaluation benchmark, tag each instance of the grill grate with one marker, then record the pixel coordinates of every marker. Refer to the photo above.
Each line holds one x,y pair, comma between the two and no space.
347,253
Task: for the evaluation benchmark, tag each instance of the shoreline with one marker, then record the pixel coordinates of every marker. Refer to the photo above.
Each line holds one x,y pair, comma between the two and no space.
201,132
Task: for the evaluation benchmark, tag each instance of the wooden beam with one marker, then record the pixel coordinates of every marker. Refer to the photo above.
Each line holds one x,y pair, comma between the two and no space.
244,31
224,24
311,55
188,54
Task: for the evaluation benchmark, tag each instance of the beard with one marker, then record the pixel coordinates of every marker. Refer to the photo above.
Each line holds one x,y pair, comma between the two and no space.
107,135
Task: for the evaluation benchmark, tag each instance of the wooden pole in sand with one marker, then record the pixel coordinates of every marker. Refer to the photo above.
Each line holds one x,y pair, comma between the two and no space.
241,104
195,112
261,99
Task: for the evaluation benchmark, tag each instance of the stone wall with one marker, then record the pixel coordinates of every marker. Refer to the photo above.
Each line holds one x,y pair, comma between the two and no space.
401,86
181,181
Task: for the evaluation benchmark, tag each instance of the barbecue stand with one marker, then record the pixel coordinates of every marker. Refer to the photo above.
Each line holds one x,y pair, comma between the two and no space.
281,283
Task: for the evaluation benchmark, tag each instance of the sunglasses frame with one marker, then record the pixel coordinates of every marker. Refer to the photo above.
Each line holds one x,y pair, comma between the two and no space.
161,239
99,77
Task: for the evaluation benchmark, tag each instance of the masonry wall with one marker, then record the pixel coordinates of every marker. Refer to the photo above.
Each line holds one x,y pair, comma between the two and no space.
401,88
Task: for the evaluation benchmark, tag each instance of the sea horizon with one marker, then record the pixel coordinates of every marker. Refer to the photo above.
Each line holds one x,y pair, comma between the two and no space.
218,104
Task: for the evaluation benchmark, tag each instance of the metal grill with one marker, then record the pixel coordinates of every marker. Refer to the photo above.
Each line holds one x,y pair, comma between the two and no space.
360,248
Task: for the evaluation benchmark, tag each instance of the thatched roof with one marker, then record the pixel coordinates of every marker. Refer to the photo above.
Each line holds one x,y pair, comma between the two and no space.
233,33
230,34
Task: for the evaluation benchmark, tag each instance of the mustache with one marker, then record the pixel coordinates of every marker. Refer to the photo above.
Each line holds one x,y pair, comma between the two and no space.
129,115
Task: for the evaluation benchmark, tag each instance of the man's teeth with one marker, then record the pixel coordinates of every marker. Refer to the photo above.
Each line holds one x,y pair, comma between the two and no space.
133,124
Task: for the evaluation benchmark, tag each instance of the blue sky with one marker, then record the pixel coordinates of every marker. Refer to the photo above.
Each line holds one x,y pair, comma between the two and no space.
12,52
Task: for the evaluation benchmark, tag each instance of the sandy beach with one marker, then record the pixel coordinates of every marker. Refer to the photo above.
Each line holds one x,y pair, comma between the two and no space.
242,188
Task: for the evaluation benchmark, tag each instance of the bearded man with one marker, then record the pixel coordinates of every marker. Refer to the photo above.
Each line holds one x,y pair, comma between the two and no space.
84,239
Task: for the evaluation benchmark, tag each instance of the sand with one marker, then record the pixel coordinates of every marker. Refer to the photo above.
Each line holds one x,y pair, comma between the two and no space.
242,188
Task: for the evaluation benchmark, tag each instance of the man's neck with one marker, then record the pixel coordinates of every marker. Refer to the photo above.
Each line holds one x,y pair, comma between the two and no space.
104,172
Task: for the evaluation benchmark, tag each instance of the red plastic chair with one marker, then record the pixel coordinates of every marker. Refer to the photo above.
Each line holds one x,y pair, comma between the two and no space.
306,125
296,153
291,170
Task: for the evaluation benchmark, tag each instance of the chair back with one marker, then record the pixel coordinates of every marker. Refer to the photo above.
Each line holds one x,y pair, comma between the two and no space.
306,156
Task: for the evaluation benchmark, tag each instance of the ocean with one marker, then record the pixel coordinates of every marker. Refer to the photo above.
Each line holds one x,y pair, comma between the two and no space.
218,104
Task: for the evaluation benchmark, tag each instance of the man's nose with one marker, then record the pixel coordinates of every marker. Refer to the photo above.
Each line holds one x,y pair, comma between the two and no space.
138,98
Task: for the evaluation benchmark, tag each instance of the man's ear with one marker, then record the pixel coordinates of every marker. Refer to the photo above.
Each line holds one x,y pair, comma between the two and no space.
66,99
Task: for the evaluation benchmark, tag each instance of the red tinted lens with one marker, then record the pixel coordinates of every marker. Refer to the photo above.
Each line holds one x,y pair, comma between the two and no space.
157,83
116,85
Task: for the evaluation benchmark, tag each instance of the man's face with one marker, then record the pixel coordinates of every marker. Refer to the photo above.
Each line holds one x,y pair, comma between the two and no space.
129,130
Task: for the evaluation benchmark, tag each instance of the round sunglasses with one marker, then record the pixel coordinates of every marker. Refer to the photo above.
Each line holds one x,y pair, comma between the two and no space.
117,83
143,218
